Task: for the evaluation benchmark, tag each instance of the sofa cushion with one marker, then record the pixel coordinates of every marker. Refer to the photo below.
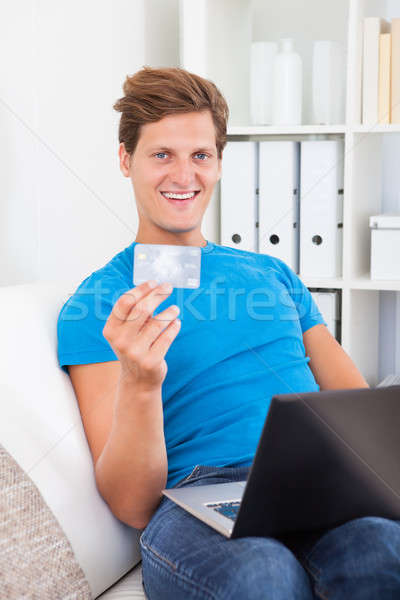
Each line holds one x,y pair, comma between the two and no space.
36,558
41,428
129,586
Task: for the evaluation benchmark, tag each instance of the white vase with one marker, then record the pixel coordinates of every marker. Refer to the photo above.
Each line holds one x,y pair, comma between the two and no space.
287,85
328,79
261,80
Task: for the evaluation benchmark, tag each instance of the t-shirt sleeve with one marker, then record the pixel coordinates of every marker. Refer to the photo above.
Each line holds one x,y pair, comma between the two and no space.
308,311
81,321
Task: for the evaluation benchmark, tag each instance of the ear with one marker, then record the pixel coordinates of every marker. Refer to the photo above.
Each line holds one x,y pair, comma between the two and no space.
124,159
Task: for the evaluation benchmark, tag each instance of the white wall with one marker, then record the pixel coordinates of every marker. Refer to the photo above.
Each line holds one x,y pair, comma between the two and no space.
18,210
66,209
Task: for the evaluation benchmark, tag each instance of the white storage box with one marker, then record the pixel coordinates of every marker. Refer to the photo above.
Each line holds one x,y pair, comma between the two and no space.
385,246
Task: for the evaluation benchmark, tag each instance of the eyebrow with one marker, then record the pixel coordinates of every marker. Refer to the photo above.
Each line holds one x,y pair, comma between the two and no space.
166,149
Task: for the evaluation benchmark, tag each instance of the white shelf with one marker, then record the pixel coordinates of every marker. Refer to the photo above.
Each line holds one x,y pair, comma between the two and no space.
377,128
312,129
320,282
285,130
366,283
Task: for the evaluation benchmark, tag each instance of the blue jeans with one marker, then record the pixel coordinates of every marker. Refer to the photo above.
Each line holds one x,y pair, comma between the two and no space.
185,559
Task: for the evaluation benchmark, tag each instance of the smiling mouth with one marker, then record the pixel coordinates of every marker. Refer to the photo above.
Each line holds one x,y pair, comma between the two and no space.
183,199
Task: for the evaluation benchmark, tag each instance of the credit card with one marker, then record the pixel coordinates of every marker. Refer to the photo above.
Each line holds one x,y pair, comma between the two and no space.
179,265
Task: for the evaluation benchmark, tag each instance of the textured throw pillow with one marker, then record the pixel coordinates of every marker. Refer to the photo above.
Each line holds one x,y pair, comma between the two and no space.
36,558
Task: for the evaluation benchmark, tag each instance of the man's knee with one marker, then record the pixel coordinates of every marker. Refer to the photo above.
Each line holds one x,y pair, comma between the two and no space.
361,548
360,537
359,559
265,566
374,533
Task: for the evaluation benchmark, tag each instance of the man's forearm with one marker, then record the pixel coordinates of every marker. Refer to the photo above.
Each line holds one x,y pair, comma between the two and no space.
132,469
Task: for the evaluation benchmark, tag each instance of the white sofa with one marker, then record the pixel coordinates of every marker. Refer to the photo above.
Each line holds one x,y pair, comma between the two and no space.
42,430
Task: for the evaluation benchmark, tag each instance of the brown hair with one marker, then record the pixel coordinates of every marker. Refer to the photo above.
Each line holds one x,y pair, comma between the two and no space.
151,94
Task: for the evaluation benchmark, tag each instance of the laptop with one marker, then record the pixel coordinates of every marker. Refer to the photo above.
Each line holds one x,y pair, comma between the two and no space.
323,458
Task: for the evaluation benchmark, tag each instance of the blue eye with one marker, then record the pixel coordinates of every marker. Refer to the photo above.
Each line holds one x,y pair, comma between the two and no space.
197,154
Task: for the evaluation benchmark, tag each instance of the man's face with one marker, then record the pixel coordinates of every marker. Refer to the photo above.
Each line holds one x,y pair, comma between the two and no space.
177,155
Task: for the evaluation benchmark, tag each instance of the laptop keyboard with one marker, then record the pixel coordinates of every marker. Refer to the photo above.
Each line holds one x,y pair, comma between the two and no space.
228,509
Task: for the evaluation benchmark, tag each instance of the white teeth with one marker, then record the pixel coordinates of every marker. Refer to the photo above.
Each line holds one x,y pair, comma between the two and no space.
178,196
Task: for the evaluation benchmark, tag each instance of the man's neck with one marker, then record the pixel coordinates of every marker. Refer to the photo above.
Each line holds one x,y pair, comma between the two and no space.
173,240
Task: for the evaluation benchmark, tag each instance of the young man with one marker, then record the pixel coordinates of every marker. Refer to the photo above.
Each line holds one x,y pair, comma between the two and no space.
168,401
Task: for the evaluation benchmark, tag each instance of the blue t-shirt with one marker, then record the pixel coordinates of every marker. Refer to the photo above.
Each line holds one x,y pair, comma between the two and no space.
240,342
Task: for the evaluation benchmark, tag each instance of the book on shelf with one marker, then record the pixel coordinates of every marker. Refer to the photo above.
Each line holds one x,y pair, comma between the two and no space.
380,43
384,113
359,75
373,28
395,71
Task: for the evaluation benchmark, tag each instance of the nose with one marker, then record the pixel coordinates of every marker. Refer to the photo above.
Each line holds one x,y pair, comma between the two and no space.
182,173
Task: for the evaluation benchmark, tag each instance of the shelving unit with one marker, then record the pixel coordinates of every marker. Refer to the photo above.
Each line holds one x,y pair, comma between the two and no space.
289,130
366,151
366,283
